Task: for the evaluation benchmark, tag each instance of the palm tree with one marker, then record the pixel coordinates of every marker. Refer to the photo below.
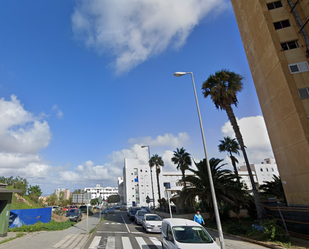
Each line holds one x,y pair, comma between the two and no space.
231,146
183,161
222,87
228,191
157,161
273,189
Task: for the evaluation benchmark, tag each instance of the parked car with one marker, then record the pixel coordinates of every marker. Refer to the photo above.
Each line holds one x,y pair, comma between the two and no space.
108,210
65,208
185,234
55,208
132,212
73,207
123,208
139,216
152,223
146,208
74,215
83,208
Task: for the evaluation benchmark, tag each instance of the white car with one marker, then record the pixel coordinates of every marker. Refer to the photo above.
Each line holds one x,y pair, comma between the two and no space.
152,223
185,234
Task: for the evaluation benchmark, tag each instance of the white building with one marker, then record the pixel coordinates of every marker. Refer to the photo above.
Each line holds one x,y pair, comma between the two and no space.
98,191
121,190
136,183
261,172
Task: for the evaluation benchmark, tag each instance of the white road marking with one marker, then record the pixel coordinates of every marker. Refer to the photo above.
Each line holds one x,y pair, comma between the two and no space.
125,224
95,242
110,232
141,242
110,242
156,242
126,244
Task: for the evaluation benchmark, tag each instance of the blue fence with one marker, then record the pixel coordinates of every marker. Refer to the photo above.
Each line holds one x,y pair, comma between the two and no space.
29,216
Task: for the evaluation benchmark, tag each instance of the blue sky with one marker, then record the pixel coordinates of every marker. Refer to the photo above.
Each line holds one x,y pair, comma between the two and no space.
84,83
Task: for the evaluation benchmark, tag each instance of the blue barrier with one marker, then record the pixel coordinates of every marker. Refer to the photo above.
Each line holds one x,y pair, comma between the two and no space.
29,216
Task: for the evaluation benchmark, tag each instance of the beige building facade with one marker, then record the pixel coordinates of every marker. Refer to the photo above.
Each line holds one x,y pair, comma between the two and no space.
275,39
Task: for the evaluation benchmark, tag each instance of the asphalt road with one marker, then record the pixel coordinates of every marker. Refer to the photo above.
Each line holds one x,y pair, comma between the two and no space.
118,232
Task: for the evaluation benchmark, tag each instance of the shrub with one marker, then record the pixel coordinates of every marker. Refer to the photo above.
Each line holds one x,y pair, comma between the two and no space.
273,232
236,229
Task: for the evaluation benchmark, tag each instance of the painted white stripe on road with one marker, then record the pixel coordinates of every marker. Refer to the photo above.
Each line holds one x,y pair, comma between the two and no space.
141,242
110,242
155,241
126,244
95,243
125,223
110,232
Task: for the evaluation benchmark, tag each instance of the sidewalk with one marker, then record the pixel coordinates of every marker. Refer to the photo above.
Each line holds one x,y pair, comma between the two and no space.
73,237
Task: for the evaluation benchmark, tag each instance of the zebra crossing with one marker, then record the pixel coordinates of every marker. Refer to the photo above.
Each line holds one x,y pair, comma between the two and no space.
110,242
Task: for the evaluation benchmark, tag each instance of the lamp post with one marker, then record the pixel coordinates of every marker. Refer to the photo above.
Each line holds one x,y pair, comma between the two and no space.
212,189
153,198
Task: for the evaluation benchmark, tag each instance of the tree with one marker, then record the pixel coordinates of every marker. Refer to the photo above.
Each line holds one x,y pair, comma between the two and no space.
157,161
273,189
183,160
34,192
114,198
228,191
52,200
231,146
223,87
16,183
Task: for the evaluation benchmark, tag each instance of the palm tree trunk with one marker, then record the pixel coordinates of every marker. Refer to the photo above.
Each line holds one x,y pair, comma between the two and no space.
234,166
183,178
158,182
258,204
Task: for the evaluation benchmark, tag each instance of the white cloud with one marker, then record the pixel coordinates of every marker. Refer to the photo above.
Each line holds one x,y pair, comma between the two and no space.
134,31
58,111
255,137
20,131
167,140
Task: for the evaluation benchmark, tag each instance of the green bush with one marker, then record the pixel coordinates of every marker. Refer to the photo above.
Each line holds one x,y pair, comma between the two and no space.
273,232
236,229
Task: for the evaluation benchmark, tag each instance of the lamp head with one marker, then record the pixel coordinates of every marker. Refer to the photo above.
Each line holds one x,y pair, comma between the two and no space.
178,74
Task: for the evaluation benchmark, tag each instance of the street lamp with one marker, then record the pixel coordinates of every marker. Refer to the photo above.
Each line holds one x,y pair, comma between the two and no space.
153,198
212,189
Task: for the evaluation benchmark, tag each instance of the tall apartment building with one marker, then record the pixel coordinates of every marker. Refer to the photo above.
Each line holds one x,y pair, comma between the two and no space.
275,39
137,183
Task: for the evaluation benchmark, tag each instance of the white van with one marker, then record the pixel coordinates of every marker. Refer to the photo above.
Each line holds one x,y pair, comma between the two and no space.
185,234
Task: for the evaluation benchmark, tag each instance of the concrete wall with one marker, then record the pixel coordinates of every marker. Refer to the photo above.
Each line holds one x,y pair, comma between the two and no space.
284,112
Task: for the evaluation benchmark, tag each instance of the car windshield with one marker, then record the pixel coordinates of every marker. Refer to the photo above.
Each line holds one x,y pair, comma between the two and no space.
191,234
153,217
73,211
139,213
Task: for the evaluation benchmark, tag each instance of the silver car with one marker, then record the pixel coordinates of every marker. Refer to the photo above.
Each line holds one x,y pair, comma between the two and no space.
152,223
139,216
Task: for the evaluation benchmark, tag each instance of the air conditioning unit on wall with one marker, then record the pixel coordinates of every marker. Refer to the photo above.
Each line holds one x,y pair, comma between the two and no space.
299,67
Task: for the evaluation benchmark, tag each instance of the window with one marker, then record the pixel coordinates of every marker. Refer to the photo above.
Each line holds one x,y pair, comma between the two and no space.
272,169
282,24
289,45
141,170
303,93
267,169
274,5
261,169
